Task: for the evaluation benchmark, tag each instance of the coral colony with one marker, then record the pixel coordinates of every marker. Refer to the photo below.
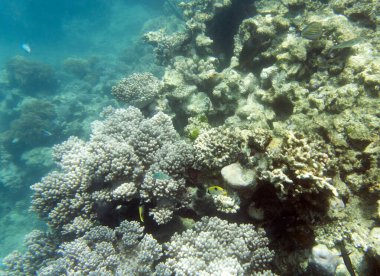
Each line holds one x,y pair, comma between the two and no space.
256,153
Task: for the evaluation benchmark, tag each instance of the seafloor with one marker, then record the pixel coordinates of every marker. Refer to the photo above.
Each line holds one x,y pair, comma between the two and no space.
251,147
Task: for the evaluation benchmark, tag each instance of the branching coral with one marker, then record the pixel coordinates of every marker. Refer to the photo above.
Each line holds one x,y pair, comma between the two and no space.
124,152
10,174
139,89
125,250
34,126
41,248
299,167
214,246
216,148
300,116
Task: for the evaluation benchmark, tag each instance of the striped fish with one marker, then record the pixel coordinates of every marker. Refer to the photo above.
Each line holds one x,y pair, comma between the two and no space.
347,43
312,31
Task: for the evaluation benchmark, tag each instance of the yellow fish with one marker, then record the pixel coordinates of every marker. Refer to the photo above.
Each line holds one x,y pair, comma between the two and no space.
141,213
216,190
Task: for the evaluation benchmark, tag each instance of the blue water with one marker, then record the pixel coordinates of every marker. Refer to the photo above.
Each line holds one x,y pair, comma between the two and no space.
81,48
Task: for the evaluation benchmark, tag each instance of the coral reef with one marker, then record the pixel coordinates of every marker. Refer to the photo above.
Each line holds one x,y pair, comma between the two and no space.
125,250
216,148
31,76
83,69
237,177
298,166
282,123
10,175
139,89
316,99
34,126
40,248
99,178
214,246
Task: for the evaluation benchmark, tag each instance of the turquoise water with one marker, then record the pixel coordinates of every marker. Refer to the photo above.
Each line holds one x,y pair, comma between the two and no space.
104,37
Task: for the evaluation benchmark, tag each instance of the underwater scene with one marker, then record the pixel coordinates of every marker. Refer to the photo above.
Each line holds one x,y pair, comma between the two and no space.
190,137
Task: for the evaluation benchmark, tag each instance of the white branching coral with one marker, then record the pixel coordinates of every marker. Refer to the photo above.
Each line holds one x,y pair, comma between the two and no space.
114,167
216,148
214,247
229,203
126,250
139,89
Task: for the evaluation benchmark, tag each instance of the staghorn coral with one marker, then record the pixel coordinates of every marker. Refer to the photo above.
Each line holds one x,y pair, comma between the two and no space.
138,89
124,148
214,246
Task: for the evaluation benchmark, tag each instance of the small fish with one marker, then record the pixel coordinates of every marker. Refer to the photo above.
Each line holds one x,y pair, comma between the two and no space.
216,190
161,176
26,47
347,43
141,213
46,133
15,140
312,31
346,258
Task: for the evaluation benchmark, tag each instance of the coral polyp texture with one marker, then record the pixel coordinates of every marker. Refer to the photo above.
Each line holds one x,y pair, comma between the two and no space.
215,247
138,89
113,168
263,132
